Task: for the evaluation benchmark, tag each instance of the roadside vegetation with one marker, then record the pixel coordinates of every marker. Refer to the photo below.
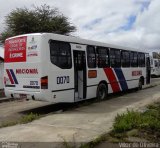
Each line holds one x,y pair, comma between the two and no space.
138,124
24,119
133,126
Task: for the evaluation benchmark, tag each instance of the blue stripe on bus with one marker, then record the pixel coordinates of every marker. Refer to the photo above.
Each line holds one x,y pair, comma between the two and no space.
14,77
121,78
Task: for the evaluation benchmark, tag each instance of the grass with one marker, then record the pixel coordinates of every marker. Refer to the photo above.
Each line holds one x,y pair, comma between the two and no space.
8,123
95,142
132,124
25,119
29,118
137,124
150,119
127,121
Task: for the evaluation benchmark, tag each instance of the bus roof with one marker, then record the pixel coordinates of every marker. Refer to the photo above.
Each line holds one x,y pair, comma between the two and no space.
78,40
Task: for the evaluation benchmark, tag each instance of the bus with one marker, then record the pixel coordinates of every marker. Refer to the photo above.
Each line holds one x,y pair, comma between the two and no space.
155,67
58,68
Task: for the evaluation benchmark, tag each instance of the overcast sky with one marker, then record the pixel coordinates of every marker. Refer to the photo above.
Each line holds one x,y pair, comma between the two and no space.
133,23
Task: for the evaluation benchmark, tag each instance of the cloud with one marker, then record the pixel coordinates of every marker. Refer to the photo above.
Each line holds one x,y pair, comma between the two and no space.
133,23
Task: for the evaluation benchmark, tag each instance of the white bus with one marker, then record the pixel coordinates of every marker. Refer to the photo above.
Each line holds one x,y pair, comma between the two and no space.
57,68
155,67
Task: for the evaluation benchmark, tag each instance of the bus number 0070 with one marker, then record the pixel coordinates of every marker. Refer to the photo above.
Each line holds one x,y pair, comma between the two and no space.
63,80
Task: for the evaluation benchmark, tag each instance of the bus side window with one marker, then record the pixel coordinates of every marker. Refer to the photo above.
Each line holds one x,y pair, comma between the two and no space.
115,58
141,59
103,59
125,58
134,59
60,54
91,56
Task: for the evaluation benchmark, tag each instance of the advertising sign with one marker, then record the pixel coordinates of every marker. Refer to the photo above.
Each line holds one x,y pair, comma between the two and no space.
15,50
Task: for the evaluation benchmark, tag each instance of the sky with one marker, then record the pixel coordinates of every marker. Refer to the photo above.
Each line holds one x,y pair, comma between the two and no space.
130,23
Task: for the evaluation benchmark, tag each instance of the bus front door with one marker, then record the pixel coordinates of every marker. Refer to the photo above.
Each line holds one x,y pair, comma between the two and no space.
79,74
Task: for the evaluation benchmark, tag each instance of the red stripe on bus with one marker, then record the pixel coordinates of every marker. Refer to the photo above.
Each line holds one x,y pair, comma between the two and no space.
10,77
112,79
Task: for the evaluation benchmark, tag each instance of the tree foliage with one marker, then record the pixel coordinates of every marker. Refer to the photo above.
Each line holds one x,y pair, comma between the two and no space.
38,19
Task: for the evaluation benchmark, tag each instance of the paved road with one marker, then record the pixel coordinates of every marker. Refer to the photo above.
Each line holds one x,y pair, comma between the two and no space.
11,111
155,81
80,124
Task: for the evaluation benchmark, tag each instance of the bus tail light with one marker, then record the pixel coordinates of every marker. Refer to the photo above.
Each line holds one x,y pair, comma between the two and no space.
44,82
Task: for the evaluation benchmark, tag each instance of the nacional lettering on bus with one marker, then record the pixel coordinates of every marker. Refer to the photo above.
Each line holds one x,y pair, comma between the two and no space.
137,73
26,71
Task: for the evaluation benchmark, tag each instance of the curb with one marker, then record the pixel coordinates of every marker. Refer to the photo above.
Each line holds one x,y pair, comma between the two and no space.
150,85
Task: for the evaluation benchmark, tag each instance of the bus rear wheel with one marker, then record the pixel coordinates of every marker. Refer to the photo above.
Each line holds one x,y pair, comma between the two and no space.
102,91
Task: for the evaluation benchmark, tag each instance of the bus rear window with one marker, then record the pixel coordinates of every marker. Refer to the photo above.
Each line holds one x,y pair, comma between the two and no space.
60,54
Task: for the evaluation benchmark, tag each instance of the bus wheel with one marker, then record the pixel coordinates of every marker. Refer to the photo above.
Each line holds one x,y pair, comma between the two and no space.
140,84
101,91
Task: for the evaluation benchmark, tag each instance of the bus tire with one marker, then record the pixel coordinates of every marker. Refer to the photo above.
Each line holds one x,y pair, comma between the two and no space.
102,91
140,83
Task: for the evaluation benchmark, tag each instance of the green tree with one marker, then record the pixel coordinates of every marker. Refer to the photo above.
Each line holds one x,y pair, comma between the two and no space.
39,19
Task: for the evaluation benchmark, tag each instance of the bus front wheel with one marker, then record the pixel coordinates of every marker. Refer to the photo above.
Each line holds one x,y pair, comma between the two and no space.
101,91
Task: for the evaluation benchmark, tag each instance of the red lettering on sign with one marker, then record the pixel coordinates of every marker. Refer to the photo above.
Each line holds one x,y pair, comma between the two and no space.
15,50
137,73
26,71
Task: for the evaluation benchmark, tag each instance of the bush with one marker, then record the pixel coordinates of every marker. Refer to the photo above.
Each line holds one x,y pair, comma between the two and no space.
28,118
127,121
149,120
